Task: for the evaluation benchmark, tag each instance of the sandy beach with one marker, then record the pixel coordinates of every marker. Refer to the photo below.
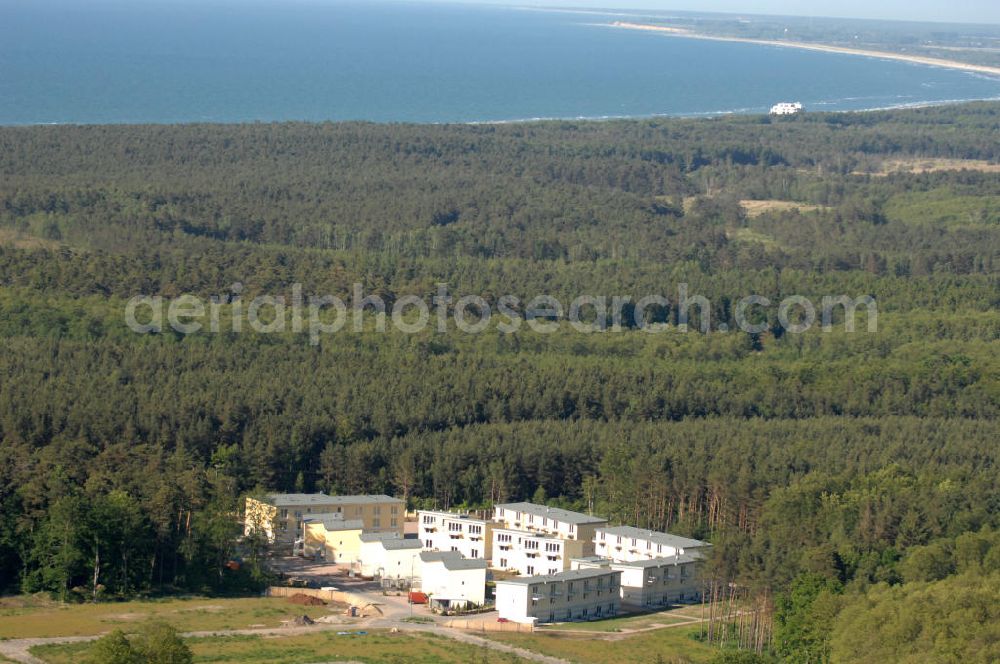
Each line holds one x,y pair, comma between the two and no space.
885,55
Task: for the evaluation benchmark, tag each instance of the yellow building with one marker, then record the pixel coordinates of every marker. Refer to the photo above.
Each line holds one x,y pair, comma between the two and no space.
280,516
332,538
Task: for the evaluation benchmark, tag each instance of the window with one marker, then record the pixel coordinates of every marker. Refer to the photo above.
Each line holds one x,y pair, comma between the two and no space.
454,548
531,544
474,553
659,548
283,514
503,563
428,519
378,509
376,523
476,530
531,570
454,527
395,522
395,509
552,547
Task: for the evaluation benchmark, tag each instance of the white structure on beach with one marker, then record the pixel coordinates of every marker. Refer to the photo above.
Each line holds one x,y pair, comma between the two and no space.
451,580
625,544
389,556
448,531
787,108
583,594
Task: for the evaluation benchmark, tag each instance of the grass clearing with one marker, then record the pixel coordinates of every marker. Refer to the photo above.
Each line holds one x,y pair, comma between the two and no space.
752,236
674,644
379,647
38,616
19,240
756,208
921,165
942,206
624,623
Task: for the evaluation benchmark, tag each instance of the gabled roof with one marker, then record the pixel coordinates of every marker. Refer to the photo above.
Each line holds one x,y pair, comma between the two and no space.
556,513
453,515
307,499
675,541
571,575
682,559
452,560
391,541
334,521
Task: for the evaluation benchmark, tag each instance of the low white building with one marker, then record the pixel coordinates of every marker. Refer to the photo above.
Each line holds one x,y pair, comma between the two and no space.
531,554
625,543
787,108
388,556
449,531
564,524
647,584
451,580
583,594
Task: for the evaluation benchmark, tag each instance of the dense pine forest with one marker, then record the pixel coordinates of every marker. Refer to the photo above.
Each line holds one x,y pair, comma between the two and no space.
850,477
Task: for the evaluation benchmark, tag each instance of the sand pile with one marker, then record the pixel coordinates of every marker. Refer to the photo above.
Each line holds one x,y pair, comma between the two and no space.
305,600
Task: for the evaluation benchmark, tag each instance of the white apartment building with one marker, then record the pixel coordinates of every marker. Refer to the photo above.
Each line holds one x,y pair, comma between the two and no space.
531,554
560,523
625,544
583,594
449,531
389,556
451,580
647,584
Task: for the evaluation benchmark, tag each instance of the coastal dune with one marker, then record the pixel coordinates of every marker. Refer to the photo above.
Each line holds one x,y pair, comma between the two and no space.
885,55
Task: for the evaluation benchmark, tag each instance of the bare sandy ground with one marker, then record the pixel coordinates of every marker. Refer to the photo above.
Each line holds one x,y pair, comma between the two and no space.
885,55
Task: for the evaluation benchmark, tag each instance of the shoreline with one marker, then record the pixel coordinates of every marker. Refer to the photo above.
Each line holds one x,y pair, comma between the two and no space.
823,48
694,115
